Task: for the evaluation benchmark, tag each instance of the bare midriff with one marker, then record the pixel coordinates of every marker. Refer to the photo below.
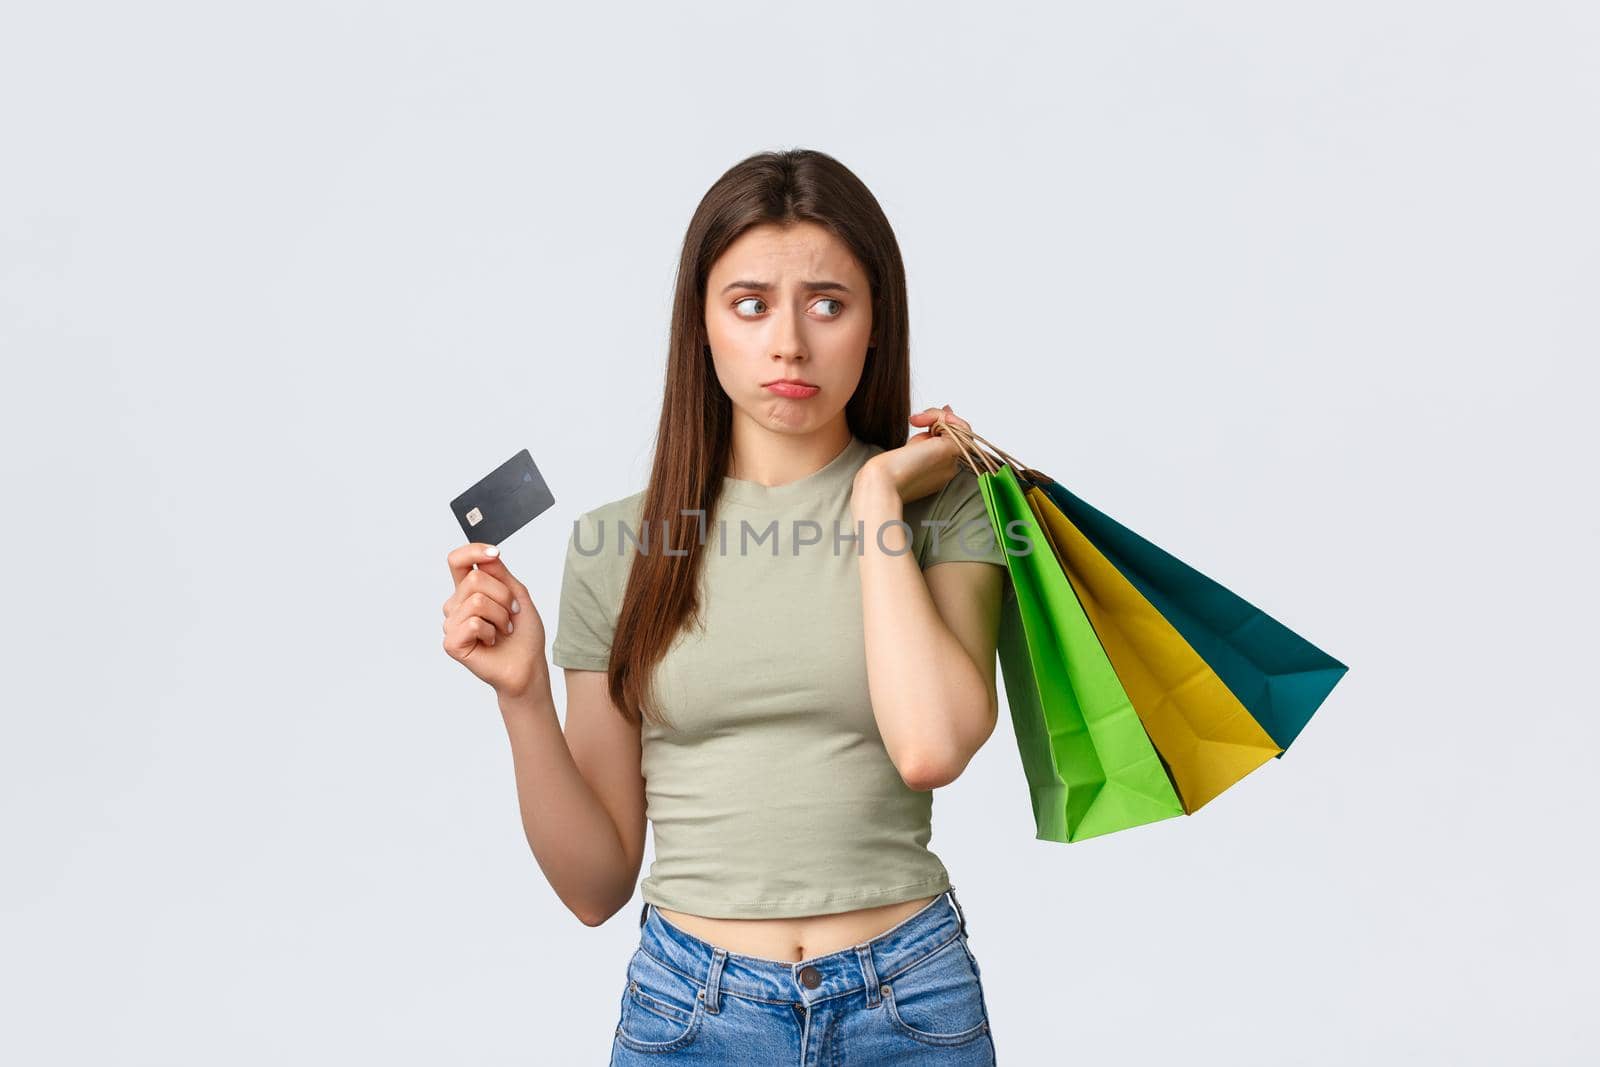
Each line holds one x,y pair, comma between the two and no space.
800,938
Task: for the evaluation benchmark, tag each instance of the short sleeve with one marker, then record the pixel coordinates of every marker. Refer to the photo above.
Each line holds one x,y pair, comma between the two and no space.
958,525
587,617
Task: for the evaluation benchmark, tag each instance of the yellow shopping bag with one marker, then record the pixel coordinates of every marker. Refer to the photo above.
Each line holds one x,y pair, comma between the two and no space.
1205,736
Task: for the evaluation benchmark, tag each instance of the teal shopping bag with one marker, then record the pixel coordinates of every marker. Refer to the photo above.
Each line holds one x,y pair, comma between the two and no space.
1279,676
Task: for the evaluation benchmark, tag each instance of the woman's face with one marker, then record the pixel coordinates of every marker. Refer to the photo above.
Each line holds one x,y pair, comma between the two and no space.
788,303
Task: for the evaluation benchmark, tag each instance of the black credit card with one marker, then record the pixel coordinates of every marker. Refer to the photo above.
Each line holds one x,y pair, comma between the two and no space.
507,499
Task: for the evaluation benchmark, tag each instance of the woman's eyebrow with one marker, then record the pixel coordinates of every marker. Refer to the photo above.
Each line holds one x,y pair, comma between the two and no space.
810,287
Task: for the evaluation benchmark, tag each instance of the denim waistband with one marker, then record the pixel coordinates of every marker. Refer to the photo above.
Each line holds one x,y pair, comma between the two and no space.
848,970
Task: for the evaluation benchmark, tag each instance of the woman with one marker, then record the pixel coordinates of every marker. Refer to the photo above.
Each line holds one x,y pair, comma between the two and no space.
776,651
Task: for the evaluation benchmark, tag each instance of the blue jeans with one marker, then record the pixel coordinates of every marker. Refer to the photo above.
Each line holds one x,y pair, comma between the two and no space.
910,995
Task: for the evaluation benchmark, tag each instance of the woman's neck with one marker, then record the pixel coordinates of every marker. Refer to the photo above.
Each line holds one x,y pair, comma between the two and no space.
769,457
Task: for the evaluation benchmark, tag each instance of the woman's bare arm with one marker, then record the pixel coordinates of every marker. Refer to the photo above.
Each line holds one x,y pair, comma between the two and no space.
581,792
930,639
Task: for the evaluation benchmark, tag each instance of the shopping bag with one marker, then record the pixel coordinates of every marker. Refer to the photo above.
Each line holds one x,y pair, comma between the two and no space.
1281,677
1206,737
1090,766
1125,589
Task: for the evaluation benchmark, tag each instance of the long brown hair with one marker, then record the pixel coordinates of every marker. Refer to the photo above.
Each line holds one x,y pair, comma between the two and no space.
694,433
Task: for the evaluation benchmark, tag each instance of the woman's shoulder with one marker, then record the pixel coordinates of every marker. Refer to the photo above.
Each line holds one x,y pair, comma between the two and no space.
957,495
596,566
598,532
624,508
954,523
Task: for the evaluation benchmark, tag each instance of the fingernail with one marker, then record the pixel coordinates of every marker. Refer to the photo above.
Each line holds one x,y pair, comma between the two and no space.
511,627
491,551
515,607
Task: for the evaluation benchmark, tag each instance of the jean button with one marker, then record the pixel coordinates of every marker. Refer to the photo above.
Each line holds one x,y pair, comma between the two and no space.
810,977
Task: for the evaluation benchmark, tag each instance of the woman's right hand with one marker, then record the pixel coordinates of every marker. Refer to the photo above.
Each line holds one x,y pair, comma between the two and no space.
490,623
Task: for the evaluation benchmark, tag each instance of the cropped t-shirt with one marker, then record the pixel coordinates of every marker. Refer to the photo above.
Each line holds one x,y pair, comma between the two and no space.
771,793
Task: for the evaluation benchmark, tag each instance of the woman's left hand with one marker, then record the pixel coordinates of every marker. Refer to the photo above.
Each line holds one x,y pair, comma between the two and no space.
924,464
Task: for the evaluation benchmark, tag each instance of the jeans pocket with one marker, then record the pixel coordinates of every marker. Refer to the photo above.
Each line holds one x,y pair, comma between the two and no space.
661,1009
938,999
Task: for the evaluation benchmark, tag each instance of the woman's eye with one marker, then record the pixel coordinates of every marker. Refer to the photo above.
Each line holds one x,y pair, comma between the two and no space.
757,300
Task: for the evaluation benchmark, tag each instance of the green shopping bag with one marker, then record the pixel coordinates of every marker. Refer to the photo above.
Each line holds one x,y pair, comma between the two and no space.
1089,764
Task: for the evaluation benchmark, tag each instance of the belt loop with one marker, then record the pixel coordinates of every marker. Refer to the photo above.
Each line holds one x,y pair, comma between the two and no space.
644,913
869,973
714,981
959,913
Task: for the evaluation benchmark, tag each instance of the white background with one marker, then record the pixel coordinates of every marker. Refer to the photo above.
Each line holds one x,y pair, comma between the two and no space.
1305,293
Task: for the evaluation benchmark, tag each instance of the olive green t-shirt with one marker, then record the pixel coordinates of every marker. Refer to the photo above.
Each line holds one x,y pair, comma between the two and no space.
771,792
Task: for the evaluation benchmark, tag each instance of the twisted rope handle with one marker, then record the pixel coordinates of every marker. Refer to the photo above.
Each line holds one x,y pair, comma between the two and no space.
963,441
1016,464
968,442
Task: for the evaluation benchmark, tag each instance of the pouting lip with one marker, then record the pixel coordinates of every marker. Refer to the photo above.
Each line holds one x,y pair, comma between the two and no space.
788,381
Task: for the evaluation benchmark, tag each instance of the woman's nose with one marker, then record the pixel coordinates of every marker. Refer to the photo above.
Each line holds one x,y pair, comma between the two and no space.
787,340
